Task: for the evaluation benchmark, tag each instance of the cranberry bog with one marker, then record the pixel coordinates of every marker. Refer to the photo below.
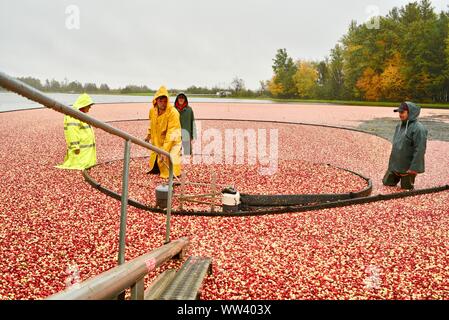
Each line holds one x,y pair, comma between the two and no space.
52,220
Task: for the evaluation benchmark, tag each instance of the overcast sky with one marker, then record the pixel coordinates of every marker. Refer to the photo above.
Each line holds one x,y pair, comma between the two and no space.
172,42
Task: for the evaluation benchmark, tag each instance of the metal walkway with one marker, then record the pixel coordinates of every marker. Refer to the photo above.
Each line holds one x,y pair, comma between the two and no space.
182,285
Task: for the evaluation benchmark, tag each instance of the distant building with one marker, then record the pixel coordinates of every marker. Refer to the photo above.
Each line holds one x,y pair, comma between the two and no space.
224,93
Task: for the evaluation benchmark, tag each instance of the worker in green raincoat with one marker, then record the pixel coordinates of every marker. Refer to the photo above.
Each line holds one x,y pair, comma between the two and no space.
409,148
187,119
81,152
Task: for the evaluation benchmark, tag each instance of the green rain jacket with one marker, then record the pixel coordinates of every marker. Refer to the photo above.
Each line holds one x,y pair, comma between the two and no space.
187,119
409,144
79,136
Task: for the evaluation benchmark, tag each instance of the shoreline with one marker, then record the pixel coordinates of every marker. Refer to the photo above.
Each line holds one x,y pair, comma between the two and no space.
205,98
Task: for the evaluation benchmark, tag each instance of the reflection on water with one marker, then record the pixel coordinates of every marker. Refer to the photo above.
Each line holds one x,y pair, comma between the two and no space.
10,101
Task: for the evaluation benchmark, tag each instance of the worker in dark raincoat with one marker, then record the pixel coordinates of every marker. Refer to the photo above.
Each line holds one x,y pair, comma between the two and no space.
187,119
409,148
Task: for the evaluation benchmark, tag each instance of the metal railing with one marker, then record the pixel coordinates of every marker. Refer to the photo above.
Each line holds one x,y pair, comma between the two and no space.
35,95
110,284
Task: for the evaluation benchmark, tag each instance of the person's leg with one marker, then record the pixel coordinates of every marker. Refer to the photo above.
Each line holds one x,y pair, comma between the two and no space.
186,142
187,148
408,182
155,169
183,148
390,179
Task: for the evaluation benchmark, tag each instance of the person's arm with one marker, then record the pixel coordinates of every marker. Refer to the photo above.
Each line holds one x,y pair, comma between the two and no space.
420,144
148,137
193,137
71,131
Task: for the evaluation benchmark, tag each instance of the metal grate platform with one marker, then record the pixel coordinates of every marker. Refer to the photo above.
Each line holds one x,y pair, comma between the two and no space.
159,285
187,283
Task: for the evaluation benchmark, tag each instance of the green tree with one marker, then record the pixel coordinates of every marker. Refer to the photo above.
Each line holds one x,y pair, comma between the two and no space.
416,34
336,75
238,86
355,56
323,89
418,47
284,69
90,87
75,87
35,83
263,89
104,88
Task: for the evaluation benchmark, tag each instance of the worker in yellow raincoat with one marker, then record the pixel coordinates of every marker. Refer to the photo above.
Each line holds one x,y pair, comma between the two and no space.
164,132
81,151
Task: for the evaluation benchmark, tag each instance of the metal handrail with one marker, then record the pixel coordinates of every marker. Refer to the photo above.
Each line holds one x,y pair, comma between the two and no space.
33,94
109,284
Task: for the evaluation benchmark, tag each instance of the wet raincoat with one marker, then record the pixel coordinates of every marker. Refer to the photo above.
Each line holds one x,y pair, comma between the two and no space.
187,119
409,144
165,131
79,136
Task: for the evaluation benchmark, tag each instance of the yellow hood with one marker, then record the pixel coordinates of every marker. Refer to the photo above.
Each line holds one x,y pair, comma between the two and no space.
83,100
162,92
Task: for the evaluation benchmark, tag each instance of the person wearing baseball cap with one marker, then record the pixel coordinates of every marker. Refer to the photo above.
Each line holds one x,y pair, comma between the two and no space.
409,148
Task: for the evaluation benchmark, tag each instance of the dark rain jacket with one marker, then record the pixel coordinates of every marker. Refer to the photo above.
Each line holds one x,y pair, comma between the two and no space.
409,144
187,119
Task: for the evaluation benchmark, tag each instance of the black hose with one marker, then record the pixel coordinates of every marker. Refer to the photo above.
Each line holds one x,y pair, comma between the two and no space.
250,211
278,204
304,199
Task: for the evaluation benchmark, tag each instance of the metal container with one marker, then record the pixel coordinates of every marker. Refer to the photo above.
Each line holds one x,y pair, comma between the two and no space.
161,196
230,200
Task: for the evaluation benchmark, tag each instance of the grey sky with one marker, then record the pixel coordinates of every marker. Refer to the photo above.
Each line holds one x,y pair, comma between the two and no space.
175,43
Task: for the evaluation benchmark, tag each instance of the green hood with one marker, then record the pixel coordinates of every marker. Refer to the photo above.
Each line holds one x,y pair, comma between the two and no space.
409,143
413,111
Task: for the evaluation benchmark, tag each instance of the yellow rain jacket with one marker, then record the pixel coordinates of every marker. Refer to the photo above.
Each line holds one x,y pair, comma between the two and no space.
165,131
79,136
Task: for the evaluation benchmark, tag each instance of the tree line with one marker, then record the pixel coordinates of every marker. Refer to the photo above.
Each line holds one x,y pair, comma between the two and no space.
403,56
237,88
406,57
77,87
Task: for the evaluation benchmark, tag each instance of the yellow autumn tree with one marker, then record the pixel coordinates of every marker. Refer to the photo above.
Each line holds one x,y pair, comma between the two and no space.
393,80
275,87
370,85
306,80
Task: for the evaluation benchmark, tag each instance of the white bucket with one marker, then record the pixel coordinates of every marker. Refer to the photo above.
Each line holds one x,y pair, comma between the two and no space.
230,202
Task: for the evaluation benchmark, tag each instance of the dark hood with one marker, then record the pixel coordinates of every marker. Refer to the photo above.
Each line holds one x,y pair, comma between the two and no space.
185,97
413,111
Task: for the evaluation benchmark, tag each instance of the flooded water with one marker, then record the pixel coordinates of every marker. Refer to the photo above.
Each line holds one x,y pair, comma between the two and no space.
10,101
